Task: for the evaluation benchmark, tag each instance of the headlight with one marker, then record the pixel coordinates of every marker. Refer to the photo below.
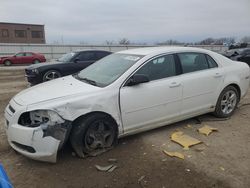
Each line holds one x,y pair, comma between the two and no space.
35,71
40,117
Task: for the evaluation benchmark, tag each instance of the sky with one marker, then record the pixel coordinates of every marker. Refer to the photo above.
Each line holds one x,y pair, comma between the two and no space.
140,21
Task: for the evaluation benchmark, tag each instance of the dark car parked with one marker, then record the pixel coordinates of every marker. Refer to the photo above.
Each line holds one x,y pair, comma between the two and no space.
69,63
23,58
242,55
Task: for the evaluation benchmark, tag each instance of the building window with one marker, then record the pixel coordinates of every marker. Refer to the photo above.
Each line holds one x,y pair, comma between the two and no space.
20,33
5,33
36,34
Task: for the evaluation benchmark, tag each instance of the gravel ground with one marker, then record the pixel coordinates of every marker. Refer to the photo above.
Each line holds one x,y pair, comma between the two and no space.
224,162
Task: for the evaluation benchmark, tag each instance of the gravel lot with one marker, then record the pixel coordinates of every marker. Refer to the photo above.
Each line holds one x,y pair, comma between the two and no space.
224,162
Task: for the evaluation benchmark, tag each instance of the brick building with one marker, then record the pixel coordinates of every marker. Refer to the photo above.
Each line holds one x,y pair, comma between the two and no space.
22,33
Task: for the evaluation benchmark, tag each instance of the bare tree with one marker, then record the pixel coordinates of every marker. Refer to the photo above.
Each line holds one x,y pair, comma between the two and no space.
109,42
124,41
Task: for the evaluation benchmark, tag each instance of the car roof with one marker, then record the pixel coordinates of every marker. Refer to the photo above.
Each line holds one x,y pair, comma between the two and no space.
90,50
158,50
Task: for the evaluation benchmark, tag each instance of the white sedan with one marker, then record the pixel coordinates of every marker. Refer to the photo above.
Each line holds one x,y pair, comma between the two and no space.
122,94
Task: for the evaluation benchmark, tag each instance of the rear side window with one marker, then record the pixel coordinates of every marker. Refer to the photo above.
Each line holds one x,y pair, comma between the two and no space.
211,62
192,62
100,55
20,54
28,54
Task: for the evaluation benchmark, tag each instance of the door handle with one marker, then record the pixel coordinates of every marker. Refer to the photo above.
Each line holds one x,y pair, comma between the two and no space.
218,75
174,84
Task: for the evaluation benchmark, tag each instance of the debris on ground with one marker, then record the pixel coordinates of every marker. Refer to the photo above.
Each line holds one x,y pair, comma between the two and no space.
198,120
174,154
189,126
112,160
109,168
141,178
206,130
200,149
140,181
184,140
112,168
223,169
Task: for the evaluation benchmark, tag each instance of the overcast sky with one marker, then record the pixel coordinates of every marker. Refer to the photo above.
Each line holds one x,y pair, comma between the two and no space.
94,21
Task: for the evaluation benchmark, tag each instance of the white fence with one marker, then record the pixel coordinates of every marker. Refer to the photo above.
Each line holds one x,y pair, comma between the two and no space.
52,51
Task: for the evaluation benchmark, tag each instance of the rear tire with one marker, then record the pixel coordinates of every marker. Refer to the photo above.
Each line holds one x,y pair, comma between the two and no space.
7,63
227,102
51,75
36,61
93,135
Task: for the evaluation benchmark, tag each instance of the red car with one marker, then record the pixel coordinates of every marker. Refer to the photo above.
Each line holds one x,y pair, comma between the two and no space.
23,58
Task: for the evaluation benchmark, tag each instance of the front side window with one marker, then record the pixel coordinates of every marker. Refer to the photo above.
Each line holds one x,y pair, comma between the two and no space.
161,67
108,69
192,62
19,55
67,57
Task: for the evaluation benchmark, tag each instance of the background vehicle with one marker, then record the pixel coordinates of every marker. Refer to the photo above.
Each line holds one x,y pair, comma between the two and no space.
69,63
242,55
124,93
23,58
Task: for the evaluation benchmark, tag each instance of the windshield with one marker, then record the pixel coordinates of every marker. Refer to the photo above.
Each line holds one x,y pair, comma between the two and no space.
66,57
108,69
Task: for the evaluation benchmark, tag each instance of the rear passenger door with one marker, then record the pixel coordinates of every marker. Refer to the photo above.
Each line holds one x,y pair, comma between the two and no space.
28,58
201,80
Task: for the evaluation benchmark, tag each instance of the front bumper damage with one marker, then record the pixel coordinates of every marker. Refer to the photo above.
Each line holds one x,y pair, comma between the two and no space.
39,141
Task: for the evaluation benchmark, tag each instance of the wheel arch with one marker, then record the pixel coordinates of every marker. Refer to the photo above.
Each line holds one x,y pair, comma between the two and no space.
43,72
237,87
74,122
7,60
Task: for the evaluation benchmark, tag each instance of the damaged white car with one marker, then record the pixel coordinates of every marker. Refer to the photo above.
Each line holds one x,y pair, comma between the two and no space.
124,93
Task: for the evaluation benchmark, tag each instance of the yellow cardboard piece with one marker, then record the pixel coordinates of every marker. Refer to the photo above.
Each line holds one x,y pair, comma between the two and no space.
184,140
206,130
223,169
174,154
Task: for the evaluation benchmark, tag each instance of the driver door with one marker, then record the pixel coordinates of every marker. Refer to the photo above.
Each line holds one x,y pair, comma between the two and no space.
152,104
19,58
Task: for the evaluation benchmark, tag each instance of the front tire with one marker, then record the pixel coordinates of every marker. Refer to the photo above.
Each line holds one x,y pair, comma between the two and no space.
93,135
51,75
227,102
7,63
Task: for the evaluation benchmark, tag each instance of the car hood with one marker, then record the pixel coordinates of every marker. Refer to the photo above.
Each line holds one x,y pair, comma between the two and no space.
58,88
35,66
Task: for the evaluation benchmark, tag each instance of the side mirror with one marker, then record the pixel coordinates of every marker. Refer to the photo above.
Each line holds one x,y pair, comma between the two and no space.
76,60
137,79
